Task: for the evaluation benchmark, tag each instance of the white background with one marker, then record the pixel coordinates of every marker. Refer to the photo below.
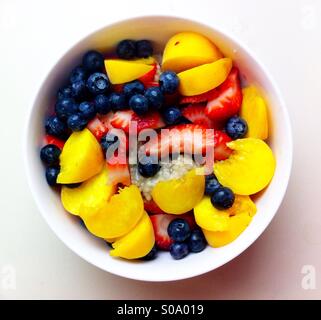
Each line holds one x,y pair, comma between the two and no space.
284,34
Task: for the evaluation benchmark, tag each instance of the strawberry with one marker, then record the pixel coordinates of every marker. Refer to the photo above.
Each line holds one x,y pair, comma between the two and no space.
151,207
160,224
195,113
203,97
199,138
229,99
53,140
118,173
105,119
151,84
221,150
151,120
97,128
149,76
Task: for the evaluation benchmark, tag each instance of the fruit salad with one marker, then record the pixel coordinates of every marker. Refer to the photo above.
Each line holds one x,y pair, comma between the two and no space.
159,151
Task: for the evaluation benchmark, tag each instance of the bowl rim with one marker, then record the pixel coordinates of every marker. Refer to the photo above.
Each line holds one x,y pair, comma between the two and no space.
205,269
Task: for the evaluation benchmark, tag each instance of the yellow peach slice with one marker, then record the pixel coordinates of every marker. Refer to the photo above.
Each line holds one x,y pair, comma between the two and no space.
238,224
137,243
178,196
118,216
254,112
92,194
242,204
210,218
249,169
187,50
81,158
204,78
121,71
148,60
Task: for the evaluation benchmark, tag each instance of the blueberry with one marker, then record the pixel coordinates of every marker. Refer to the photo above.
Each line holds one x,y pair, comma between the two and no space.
132,88
223,198
78,89
78,74
148,166
64,92
183,120
98,83
196,241
75,122
93,61
52,174
108,140
151,255
179,230
168,82
155,97
55,127
73,185
179,250
117,101
172,115
126,49
87,110
102,104
236,127
211,184
144,49
139,104
49,154
65,108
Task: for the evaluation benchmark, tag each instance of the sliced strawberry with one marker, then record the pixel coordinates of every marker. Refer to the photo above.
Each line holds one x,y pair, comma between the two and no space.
152,208
204,97
118,173
122,120
195,113
197,138
105,119
149,76
53,140
221,150
151,84
160,224
97,128
229,99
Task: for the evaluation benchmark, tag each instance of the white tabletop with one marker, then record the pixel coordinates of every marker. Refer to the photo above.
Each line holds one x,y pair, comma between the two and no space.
286,37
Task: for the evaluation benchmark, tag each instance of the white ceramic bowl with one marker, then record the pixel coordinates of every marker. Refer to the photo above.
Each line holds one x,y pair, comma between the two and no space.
164,268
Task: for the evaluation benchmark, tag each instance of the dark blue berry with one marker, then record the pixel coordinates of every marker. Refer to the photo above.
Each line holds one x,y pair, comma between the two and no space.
49,154
236,127
65,108
55,127
183,120
144,49
179,250
93,61
211,184
132,88
223,198
51,175
108,140
64,92
179,229
98,83
139,104
155,97
78,74
73,185
126,49
168,82
172,115
118,101
87,110
76,122
148,166
102,104
151,255
196,241
78,89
